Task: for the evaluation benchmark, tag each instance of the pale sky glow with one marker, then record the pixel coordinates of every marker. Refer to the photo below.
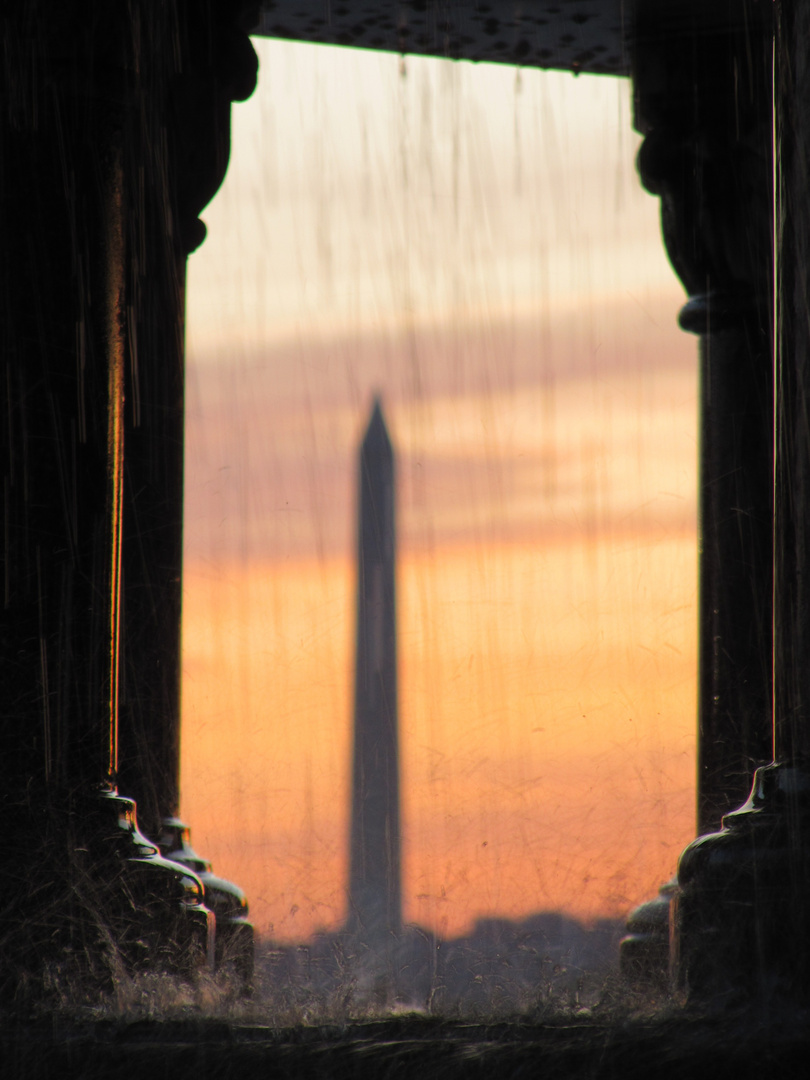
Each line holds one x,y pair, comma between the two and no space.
369,191
472,243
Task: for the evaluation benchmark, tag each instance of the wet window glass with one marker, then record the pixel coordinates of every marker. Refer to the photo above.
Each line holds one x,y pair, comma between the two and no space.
470,246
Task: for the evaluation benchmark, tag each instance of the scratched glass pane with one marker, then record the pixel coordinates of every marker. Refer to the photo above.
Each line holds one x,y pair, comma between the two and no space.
471,244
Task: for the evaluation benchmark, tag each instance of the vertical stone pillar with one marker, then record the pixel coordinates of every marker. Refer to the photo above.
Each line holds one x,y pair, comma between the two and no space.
792,365
62,439
741,923
702,101
200,60
702,95
375,905
83,888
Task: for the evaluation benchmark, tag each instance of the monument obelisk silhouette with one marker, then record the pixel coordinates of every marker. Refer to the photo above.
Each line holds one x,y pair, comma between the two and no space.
375,906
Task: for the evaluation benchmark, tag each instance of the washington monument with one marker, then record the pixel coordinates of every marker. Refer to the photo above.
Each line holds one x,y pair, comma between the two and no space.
375,906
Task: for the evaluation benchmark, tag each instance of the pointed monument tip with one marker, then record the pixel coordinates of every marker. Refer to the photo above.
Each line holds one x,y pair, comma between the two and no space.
377,430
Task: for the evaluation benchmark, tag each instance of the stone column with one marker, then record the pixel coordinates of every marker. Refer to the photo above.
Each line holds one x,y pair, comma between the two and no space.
702,102
741,924
200,60
83,889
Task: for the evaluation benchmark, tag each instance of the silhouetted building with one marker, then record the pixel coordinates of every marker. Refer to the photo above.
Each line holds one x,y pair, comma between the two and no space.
375,906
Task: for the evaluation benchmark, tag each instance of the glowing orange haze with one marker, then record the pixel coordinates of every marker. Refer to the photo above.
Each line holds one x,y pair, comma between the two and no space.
472,242
547,681
548,743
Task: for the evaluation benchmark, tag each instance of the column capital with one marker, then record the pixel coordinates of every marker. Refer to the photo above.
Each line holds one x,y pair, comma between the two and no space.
702,102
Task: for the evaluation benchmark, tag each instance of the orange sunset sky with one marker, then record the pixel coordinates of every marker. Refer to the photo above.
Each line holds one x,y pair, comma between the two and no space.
472,243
